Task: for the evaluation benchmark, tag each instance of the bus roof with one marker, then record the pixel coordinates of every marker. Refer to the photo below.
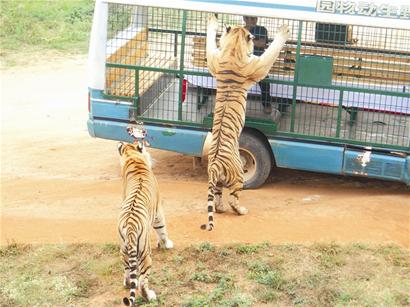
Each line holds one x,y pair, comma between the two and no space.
377,13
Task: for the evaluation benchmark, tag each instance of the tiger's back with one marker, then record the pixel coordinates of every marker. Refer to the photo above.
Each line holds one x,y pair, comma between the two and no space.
228,122
140,196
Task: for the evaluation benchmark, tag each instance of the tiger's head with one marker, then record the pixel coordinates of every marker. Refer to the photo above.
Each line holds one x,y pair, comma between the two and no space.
134,152
237,42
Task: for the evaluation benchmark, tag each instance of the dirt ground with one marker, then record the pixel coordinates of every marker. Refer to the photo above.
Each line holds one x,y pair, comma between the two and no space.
59,185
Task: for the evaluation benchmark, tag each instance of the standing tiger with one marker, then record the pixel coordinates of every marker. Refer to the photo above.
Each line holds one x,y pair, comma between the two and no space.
140,211
236,69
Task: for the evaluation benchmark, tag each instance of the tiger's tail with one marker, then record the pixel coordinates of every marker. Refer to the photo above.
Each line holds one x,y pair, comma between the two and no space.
215,176
132,258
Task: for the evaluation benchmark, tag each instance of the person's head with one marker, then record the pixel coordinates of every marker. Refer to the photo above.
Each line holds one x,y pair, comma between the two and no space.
250,21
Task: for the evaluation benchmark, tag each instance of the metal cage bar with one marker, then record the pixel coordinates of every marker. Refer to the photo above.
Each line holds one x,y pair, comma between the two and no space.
336,83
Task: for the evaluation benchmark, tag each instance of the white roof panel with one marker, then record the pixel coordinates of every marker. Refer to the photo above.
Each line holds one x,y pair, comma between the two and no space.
378,13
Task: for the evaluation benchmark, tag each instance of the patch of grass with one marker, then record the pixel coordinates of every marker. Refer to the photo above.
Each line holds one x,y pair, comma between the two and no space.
225,285
46,275
327,295
112,249
24,289
13,249
238,300
251,248
265,274
246,249
196,301
221,295
207,275
202,277
273,279
394,255
36,25
178,260
205,247
104,267
330,255
266,295
224,252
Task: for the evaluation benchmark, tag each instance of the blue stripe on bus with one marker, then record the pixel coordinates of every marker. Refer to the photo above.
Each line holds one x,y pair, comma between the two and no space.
186,141
260,5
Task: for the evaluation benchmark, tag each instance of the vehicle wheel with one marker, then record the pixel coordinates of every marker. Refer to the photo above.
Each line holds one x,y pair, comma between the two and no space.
256,160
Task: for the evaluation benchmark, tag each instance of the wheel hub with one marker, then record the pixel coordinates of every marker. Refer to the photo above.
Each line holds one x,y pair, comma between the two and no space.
248,163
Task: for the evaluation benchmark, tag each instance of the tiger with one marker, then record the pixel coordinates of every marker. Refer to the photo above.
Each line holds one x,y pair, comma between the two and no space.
236,69
141,210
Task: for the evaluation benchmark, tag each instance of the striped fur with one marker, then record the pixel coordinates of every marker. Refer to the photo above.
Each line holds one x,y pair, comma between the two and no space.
140,211
235,70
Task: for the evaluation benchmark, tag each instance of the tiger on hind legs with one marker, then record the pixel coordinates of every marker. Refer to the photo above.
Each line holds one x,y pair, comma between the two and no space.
236,69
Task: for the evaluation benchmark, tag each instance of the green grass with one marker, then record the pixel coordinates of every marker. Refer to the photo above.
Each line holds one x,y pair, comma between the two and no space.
32,26
208,275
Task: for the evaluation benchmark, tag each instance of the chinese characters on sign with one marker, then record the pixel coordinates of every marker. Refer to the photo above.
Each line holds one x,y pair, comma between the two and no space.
363,8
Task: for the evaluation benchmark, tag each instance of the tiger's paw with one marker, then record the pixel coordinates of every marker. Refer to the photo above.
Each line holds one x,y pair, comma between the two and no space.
212,23
284,32
242,211
167,244
209,226
220,208
151,296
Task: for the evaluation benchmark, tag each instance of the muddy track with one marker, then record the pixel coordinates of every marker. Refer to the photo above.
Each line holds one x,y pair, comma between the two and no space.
59,185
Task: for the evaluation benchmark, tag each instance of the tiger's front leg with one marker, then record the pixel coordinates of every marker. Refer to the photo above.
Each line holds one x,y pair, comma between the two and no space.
161,230
261,65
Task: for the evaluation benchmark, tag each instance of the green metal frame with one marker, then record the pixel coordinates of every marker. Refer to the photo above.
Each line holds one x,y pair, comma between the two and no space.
267,127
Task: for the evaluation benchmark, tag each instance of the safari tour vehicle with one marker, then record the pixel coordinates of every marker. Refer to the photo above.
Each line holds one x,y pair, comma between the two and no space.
340,88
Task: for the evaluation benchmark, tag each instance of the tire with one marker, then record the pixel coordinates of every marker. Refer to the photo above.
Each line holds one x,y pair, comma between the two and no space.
256,158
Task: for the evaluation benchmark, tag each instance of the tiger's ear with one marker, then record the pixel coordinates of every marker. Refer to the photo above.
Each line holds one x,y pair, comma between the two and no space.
227,28
119,147
139,146
250,37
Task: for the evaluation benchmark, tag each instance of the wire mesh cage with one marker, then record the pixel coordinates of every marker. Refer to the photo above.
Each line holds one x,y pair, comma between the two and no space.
332,82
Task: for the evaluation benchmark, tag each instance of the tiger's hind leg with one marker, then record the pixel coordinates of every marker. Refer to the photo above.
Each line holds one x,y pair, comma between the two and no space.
132,278
236,185
219,206
145,271
235,189
140,262
161,230
234,200
125,260
124,257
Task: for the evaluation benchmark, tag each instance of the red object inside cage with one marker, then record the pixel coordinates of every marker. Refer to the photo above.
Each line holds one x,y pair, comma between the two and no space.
184,88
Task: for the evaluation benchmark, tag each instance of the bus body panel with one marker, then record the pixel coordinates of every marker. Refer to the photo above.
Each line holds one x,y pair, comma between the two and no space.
308,156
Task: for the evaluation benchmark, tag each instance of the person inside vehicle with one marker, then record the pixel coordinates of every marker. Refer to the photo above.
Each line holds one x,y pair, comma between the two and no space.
260,43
